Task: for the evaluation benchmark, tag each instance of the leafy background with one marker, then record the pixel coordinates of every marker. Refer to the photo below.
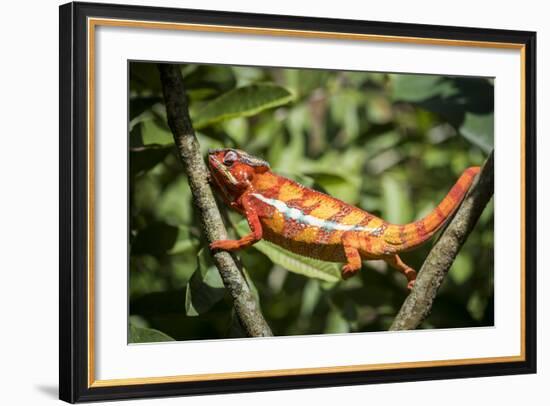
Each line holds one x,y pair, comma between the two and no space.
392,144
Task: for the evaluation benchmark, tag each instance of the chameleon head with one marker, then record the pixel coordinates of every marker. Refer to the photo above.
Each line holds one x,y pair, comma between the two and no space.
232,171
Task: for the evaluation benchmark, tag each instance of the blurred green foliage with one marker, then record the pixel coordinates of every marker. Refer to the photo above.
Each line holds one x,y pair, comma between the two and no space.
392,144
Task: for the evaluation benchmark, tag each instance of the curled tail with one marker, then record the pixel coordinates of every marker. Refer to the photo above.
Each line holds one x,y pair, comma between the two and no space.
411,235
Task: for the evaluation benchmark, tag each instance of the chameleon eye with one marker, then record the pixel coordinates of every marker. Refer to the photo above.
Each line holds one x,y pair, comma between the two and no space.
229,158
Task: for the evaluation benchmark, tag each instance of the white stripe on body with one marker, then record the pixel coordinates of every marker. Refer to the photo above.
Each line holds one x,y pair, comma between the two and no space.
296,214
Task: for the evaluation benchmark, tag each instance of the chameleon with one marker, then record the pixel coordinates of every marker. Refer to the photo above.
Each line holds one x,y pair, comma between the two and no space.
313,224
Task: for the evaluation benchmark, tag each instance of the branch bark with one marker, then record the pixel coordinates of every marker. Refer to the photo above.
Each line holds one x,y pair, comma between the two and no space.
177,111
419,303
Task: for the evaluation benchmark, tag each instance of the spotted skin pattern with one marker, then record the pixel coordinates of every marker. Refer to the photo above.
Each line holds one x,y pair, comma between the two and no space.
316,225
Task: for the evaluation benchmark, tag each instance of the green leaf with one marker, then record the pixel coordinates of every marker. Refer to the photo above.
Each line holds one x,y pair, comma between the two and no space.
153,133
251,285
205,288
344,109
242,102
462,269
237,129
479,130
297,123
380,143
305,81
312,268
397,204
196,95
310,297
336,323
417,88
173,205
219,78
379,109
266,130
144,158
146,335
185,242
246,75
476,305
466,103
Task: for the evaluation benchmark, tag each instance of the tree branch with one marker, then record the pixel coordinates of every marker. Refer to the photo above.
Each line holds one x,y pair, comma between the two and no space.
419,303
179,121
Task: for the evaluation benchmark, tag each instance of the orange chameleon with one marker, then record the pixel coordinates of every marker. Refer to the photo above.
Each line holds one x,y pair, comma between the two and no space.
316,225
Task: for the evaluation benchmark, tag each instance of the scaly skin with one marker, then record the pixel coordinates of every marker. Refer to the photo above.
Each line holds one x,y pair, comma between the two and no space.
316,225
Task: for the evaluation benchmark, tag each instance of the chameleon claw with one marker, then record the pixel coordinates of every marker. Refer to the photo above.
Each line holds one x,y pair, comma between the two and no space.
213,246
348,272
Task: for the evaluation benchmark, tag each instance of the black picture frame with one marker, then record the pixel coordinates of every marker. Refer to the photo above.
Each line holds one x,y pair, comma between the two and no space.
74,200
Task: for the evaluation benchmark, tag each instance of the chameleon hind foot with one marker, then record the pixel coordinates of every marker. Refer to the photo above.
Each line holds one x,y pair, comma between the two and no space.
348,271
395,262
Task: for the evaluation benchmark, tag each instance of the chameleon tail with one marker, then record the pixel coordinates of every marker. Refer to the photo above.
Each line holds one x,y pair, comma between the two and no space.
411,235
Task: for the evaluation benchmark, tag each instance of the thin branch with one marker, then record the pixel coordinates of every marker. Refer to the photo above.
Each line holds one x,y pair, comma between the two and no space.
179,121
419,303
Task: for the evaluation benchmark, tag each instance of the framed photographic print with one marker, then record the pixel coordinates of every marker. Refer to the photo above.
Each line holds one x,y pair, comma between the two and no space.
254,202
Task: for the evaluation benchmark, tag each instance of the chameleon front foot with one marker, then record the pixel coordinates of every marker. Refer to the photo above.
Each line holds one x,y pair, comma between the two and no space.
226,245
233,245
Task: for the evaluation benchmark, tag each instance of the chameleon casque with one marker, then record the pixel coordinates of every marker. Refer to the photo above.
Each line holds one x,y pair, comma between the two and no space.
313,224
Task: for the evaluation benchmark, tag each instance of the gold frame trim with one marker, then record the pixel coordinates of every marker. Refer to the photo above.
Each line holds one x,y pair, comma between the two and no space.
94,22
